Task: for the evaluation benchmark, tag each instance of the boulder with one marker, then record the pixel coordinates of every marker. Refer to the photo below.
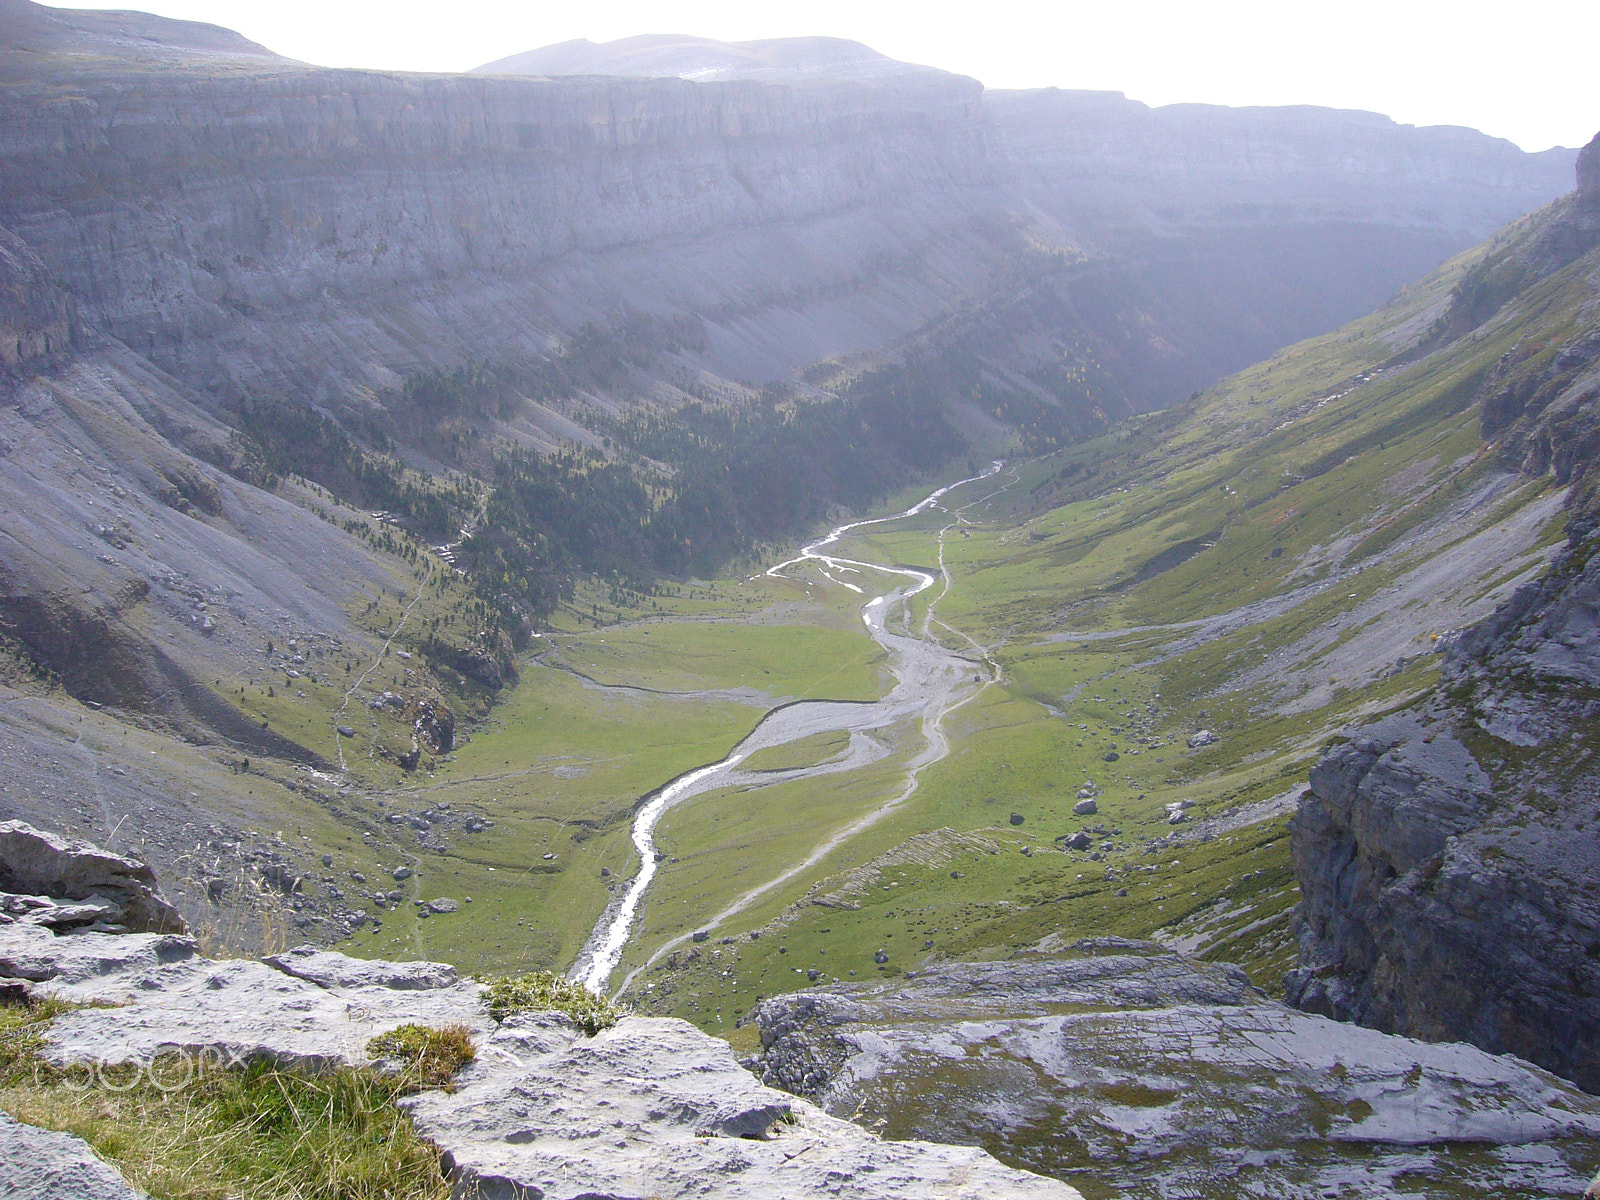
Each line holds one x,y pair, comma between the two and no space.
1085,808
1017,818
1203,738
39,864
41,1164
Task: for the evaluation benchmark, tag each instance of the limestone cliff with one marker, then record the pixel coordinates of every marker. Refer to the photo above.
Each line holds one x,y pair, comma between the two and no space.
1446,853
272,228
37,316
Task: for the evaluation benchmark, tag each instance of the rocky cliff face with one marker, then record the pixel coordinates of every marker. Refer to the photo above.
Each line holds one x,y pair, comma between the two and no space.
360,223
1446,853
293,231
37,316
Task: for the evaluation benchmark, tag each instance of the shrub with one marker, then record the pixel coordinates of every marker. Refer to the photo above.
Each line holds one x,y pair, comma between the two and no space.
547,990
431,1056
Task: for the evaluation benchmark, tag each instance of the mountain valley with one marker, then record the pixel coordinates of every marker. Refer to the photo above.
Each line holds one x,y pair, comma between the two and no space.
410,483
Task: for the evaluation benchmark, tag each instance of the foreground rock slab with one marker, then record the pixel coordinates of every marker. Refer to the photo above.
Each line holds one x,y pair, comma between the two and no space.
650,1109
170,998
1186,1094
653,1108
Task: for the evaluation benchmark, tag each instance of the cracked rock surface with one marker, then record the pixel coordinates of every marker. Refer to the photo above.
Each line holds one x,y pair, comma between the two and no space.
1143,1071
649,1109
41,1164
655,1108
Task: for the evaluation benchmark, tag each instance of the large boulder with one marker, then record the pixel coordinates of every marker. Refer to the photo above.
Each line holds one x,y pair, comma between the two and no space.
41,1164
122,892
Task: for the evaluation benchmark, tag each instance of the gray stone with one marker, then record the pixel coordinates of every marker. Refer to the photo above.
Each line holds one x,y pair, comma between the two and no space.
170,998
650,1108
401,872
443,905
41,1164
330,969
1085,808
1203,738
1221,1091
655,1108
1017,818
1446,854
33,862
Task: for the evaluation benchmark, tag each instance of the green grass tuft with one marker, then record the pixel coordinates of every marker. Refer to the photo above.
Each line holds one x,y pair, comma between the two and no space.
186,1130
432,1056
545,990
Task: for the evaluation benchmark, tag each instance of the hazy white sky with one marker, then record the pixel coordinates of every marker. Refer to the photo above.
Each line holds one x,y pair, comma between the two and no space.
1524,71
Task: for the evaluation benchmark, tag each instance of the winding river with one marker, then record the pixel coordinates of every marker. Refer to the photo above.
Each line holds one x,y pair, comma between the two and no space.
930,681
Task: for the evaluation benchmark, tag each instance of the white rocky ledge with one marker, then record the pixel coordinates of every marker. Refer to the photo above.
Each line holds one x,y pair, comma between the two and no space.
651,1108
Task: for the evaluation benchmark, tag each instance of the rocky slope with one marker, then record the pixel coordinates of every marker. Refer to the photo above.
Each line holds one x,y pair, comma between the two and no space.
1446,853
1129,1070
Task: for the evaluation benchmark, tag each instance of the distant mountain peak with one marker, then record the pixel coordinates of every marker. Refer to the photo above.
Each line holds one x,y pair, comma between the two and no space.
683,56
34,31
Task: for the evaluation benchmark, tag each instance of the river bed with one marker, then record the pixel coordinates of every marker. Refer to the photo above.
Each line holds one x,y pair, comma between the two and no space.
930,680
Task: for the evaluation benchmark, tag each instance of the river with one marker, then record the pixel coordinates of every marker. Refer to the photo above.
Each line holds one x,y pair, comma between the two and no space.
930,681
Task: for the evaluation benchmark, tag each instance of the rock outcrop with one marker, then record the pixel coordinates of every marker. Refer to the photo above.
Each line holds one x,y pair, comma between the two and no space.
41,1164
649,1108
37,316
1589,171
654,1108
1154,1075
1446,854
64,884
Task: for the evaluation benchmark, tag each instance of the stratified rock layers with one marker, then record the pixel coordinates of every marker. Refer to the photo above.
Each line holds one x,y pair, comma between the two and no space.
1446,855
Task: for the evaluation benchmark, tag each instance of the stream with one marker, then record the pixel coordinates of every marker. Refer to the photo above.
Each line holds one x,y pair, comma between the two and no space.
930,681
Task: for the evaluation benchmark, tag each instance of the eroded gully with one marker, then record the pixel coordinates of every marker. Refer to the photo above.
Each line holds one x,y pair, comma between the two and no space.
930,682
